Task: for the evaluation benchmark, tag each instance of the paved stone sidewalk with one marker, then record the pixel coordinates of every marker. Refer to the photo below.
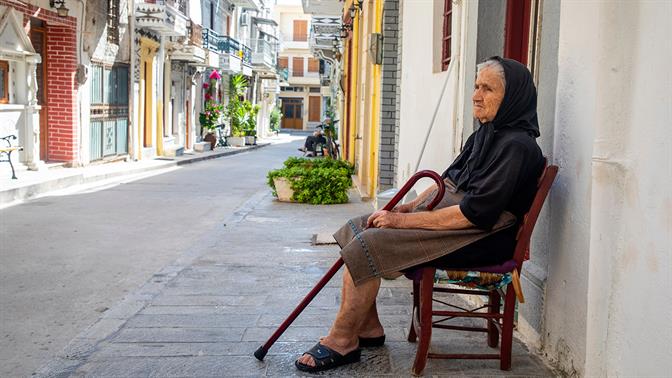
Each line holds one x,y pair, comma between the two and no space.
208,312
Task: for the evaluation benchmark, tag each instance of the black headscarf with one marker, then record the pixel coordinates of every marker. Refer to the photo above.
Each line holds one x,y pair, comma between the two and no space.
518,110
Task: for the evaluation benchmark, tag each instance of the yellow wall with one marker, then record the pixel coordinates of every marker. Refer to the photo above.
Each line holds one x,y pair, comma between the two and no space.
364,117
148,49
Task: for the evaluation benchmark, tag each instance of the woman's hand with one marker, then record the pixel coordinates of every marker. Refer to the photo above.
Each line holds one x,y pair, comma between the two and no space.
385,219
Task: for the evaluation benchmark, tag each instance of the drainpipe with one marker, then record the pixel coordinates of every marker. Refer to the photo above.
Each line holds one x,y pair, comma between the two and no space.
80,66
132,141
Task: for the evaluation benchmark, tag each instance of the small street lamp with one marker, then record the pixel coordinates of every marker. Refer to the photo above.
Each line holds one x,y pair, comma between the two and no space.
61,9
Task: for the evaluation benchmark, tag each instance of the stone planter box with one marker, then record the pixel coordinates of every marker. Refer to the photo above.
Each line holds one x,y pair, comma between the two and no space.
250,140
284,189
236,141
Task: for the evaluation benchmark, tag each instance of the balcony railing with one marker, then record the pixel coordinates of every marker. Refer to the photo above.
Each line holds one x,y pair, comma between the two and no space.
166,17
211,40
264,52
195,34
247,55
180,5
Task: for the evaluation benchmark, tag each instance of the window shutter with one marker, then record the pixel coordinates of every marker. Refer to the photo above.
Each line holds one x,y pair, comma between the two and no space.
313,65
300,30
297,67
283,62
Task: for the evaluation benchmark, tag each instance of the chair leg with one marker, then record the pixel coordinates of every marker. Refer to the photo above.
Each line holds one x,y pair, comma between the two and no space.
493,308
425,315
507,328
412,336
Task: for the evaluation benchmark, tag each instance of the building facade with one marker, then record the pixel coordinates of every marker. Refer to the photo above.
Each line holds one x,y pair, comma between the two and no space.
303,105
597,280
41,78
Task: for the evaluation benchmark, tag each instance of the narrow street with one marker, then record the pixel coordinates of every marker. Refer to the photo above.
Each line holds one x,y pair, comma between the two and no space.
67,259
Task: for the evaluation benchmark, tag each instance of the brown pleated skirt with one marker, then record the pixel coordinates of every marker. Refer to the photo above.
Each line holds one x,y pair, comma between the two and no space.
378,252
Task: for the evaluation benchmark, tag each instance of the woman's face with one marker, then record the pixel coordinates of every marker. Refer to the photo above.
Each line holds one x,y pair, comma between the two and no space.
488,95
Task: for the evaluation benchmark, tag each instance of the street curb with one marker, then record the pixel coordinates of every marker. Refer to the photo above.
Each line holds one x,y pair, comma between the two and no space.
12,196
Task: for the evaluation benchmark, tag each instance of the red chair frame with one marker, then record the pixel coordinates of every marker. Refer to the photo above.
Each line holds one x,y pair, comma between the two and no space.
496,321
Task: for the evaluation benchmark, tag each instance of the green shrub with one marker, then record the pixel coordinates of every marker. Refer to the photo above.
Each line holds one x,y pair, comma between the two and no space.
316,181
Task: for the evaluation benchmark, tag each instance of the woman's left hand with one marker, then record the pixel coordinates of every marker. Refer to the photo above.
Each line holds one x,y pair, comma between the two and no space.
388,219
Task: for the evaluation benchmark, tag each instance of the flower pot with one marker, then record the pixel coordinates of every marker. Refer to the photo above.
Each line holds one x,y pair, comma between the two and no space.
250,140
284,189
211,138
236,141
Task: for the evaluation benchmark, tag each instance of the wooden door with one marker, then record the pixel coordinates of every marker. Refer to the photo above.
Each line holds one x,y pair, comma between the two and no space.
292,113
38,37
314,108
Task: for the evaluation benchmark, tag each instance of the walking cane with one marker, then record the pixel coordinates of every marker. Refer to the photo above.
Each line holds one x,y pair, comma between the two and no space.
261,352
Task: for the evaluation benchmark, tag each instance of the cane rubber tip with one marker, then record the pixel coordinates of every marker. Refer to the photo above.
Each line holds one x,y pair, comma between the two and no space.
260,353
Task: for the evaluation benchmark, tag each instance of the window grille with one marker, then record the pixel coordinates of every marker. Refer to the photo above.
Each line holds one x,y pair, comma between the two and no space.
446,41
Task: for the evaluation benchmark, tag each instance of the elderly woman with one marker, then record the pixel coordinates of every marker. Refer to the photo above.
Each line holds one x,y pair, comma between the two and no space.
489,186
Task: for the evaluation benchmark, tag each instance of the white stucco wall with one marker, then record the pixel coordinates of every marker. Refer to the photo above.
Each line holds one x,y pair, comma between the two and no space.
609,272
420,92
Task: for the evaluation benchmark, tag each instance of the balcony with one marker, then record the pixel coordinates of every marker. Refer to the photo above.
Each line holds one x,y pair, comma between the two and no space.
164,17
191,52
264,55
230,58
247,59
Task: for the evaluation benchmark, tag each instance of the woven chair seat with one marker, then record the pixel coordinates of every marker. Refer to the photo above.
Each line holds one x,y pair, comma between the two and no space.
473,279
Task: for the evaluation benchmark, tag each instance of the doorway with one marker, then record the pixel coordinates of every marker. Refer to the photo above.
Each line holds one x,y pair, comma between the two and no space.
292,113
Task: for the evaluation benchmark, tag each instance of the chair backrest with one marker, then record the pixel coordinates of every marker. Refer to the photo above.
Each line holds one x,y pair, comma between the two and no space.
522,251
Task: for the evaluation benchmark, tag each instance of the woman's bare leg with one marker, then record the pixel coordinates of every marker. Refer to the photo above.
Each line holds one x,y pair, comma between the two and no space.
356,304
371,326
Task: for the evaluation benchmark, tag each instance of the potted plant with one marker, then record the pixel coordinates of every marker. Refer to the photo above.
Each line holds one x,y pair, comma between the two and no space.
238,120
235,111
275,117
212,110
250,126
321,181
209,119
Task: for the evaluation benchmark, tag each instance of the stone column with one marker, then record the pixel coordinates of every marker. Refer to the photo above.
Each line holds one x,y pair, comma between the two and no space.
31,131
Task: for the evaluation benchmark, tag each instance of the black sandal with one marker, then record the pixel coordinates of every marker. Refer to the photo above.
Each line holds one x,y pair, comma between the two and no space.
326,358
371,342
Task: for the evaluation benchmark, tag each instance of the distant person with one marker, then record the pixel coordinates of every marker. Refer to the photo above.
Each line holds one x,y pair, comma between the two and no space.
312,141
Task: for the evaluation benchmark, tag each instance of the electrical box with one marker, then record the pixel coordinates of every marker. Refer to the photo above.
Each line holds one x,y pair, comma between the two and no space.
376,48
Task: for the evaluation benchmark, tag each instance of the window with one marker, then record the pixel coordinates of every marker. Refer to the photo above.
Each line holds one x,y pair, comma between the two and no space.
313,65
297,67
113,21
4,82
446,50
300,30
283,62
109,85
315,90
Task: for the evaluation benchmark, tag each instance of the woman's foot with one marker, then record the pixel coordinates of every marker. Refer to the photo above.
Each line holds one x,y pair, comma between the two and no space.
342,347
371,342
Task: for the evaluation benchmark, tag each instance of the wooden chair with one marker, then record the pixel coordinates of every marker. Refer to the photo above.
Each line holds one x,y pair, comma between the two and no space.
496,321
